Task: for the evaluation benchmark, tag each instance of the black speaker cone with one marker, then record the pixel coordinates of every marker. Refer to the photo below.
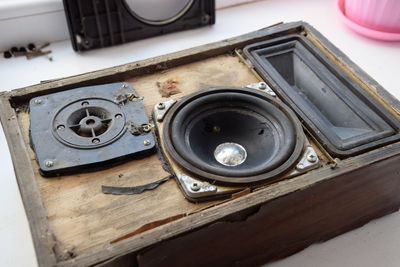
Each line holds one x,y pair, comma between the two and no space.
233,135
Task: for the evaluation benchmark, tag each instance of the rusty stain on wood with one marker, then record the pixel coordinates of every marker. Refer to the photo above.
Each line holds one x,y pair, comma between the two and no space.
168,87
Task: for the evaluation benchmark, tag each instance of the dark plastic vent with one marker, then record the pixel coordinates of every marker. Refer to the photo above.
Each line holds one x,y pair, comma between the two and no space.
340,114
101,23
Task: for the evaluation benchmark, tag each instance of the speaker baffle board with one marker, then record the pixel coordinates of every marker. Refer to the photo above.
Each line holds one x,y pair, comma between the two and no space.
88,128
102,23
219,141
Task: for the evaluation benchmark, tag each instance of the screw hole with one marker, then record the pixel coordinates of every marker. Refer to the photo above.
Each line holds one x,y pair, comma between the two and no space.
90,122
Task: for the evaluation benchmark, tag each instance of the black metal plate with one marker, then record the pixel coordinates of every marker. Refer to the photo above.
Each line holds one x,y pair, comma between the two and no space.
101,23
340,114
88,127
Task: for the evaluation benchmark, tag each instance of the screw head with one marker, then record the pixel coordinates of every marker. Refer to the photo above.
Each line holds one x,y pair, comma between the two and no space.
118,116
161,106
195,187
312,158
38,101
146,142
60,127
300,166
95,141
125,85
262,86
146,128
49,164
7,54
31,46
85,104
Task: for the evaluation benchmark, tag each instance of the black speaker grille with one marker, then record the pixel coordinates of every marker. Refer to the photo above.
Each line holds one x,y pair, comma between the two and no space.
101,23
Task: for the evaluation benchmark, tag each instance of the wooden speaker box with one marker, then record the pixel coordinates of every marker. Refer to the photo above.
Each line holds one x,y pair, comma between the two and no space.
274,139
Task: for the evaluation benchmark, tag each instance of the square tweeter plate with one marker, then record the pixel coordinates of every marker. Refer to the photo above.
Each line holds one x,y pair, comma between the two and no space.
88,128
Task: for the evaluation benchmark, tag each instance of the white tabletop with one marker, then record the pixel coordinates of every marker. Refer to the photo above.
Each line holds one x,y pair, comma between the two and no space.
375,244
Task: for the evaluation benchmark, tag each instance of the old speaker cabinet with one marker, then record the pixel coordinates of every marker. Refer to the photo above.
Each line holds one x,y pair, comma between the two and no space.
356,180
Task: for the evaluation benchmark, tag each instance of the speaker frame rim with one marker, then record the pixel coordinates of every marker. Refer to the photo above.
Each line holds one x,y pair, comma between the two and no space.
230,180
188,113
171,19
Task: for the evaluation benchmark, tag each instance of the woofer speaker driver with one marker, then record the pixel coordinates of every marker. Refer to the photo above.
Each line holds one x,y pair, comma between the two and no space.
233,135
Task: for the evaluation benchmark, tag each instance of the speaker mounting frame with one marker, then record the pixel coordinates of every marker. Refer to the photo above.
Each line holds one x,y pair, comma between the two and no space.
198,189
195,189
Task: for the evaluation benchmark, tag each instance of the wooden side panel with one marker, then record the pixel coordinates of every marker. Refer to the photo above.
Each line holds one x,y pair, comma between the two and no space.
28,186
288,224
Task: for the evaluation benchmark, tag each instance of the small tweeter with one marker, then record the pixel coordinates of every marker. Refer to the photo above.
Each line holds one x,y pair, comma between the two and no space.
88,128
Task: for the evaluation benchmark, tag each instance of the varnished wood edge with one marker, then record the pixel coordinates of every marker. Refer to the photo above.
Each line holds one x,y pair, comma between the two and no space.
30,194
284,225
213,214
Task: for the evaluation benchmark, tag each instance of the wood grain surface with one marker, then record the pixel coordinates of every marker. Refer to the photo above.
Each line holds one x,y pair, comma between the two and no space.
81,217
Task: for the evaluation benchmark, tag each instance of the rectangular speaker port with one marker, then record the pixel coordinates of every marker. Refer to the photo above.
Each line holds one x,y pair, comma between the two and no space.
338,112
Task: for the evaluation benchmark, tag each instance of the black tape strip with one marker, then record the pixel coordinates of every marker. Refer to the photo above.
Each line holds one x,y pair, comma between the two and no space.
115,190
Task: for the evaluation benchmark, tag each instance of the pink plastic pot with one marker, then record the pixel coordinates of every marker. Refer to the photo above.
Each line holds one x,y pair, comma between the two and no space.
378,19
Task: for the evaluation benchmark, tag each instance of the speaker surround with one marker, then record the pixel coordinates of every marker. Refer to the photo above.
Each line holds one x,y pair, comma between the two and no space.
259,125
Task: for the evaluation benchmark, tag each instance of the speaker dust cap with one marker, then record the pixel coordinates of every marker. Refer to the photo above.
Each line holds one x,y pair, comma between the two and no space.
233,135
88,128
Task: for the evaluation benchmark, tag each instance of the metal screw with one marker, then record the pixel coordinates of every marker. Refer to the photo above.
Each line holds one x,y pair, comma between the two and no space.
262,86
49,164
335,163
38,101
205,19
311,158
60,127
118,116
125,85
95,141
146,142
85,104
195,187
300,166
161,106
146,127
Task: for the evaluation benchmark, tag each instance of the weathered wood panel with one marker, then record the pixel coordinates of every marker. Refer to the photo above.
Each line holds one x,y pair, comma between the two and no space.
288,224
81,217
